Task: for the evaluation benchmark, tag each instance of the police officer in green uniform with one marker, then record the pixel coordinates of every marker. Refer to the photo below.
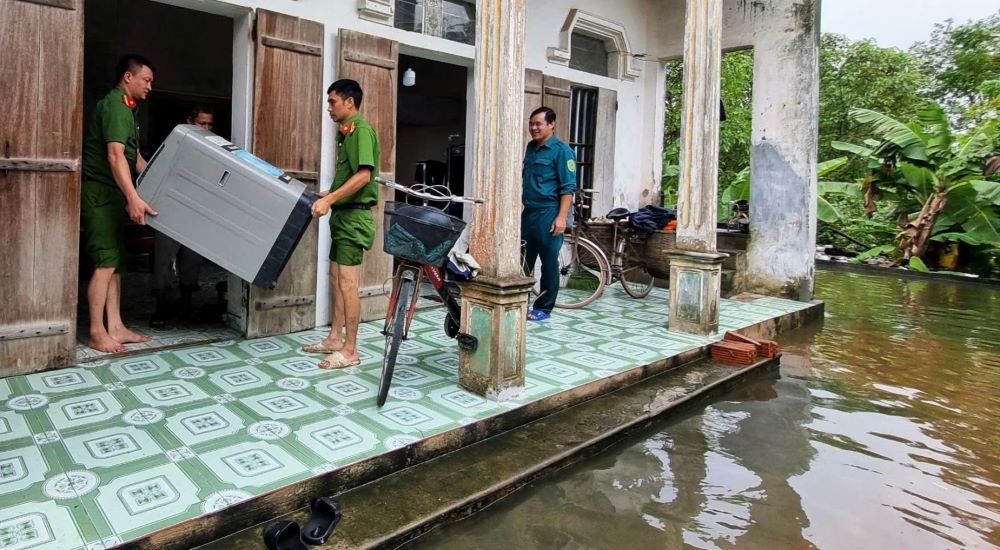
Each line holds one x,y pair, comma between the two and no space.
548,186
108,198
352,226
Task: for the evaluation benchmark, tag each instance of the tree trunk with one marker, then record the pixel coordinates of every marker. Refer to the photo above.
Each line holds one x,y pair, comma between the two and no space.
915,235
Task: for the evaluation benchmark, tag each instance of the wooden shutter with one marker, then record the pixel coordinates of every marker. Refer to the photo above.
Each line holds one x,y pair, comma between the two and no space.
604,151
556,95
372,61
287,117
532,97
40,144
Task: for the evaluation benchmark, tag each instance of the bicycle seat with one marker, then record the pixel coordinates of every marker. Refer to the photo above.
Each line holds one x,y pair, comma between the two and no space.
618,214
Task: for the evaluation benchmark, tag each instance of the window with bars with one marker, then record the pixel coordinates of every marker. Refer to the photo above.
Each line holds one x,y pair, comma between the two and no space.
582,134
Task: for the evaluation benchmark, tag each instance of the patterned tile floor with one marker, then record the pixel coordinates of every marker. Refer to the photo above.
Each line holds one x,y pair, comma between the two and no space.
110,450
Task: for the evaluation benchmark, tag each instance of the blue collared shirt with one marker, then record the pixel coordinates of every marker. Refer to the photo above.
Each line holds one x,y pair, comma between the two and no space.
549,171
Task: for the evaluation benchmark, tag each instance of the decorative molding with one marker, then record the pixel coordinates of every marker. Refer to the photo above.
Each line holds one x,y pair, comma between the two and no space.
377,11
621,65
434,18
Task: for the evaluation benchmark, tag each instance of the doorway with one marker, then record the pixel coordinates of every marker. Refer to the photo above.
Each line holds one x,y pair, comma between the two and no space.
430,130
192,52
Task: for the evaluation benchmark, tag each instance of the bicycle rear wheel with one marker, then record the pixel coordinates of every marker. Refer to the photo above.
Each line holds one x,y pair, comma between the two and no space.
394,337
636,281
582,270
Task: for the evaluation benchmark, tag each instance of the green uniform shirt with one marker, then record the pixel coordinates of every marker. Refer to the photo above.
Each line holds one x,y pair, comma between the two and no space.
549,172
356,148
112,121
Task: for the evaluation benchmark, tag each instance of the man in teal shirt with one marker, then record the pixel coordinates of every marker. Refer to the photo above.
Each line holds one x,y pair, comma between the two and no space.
548,186
108,198
352,226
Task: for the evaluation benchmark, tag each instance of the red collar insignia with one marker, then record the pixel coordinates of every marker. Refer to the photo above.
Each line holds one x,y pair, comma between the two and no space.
128,101
348,129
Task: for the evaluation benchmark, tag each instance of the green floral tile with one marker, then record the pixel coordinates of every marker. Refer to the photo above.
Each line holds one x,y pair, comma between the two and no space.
116,448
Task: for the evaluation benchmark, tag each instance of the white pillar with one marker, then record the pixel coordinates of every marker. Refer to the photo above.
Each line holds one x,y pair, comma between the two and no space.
699,158
494,305
695,269
782,251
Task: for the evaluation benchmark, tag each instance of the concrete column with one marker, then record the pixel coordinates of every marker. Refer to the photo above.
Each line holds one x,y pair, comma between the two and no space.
494,306
695,269
781,255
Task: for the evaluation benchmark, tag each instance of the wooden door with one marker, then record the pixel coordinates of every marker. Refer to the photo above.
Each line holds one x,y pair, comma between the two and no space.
287,117
557,95
604,152
372,61
532,97
41,80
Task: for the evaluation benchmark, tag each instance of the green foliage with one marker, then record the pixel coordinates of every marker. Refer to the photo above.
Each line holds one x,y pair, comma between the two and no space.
734,133
917,264
926,160
861,75
961,60
872,252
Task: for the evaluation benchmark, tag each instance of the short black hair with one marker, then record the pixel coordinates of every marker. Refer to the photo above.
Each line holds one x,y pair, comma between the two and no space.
130,63
199,108
347,88
550,115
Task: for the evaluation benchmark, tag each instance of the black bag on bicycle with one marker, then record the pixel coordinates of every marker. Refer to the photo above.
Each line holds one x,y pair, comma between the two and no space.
651,218
421,234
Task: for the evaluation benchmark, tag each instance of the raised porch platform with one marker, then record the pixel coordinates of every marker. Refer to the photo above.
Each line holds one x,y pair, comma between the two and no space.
174,449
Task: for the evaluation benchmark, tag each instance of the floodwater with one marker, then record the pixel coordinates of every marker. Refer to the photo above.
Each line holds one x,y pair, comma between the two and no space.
881,432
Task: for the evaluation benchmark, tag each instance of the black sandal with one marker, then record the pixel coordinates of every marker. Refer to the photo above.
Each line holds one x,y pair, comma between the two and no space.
283,535
324,518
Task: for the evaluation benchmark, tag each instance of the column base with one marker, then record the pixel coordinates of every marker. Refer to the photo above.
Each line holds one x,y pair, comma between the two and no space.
695,281
494,311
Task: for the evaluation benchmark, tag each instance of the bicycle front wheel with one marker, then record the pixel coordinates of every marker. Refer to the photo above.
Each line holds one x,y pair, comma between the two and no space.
394,337
582,271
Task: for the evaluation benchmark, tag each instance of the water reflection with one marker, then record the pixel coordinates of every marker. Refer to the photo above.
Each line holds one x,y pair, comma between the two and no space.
880,433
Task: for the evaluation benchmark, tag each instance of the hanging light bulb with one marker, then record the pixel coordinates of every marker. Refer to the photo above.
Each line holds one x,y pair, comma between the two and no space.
409,77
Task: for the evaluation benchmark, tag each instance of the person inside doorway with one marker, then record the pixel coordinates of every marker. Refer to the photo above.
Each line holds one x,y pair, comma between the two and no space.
167,251
108,198
548,185
352,226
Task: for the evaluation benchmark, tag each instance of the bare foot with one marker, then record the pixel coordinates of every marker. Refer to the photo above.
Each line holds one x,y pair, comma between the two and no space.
126,336
104,342
324,346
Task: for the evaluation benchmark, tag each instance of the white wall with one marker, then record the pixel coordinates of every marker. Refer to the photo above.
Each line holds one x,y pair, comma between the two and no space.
636,141
639,120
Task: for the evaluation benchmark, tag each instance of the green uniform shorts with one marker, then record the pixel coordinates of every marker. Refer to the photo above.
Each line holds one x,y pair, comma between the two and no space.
102,219
352,232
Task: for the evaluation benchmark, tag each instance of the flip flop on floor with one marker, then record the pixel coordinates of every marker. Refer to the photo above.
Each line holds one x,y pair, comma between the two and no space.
283,535
318,347
537,315
336,360
324,518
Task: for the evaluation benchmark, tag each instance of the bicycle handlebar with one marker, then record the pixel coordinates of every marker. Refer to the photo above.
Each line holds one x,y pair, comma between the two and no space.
429,192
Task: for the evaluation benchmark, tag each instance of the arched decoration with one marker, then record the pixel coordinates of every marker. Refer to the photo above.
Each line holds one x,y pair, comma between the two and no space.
621,64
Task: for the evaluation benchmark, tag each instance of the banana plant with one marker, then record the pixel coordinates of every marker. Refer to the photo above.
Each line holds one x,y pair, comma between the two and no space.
936,178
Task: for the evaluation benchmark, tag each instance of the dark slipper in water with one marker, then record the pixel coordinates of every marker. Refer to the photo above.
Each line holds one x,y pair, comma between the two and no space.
324,518
283,535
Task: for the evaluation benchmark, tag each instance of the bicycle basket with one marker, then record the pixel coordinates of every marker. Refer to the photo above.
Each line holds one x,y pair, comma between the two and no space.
421,234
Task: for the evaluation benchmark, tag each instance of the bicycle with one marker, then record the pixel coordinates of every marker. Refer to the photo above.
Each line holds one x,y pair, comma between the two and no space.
420,237
587,270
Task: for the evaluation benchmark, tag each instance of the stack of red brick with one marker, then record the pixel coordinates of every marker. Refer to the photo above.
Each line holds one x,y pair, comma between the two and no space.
741,350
